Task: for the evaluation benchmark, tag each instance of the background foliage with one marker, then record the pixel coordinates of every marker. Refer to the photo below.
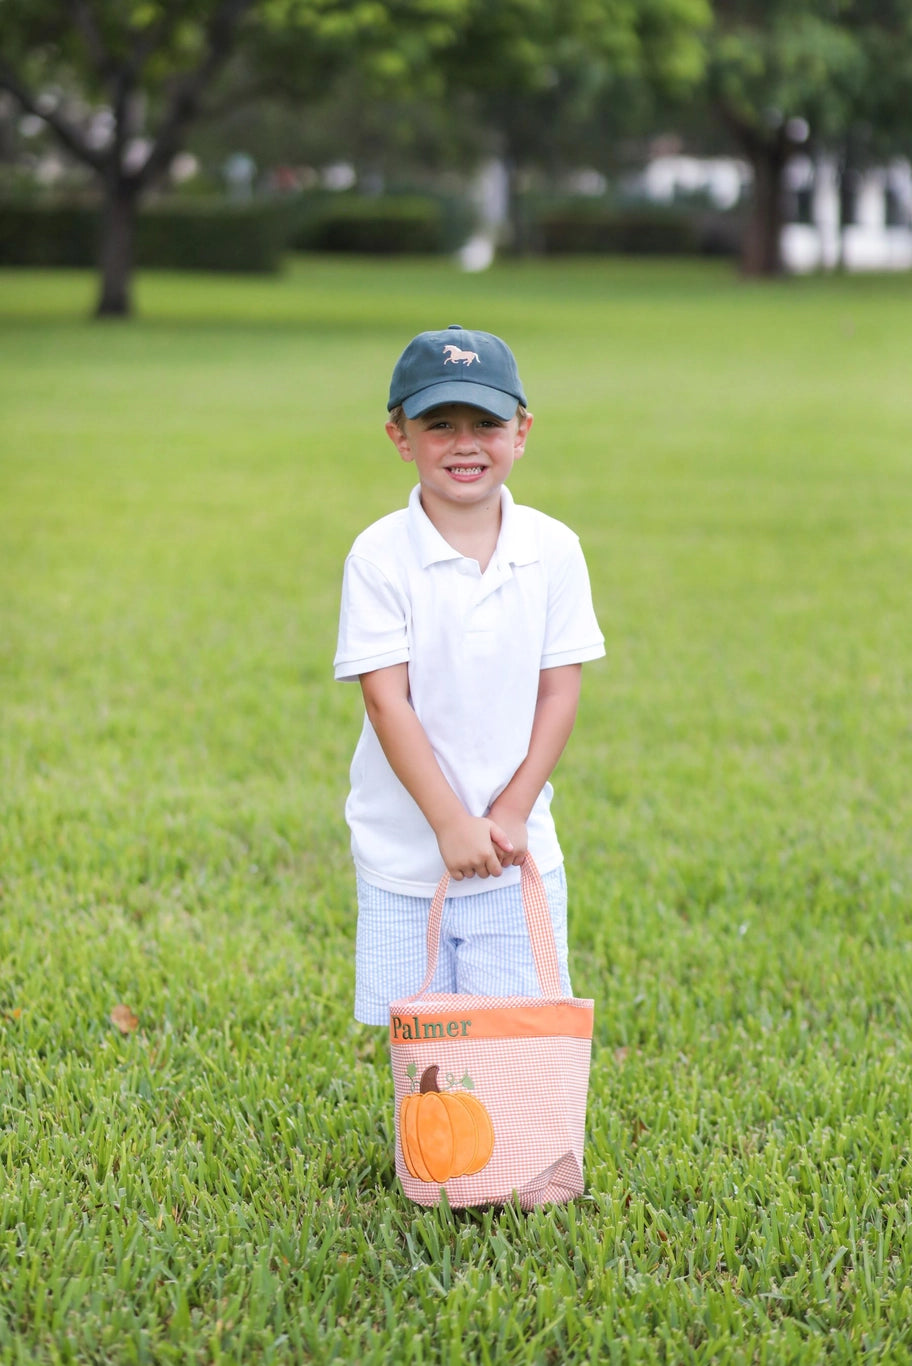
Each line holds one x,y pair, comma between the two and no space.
428,89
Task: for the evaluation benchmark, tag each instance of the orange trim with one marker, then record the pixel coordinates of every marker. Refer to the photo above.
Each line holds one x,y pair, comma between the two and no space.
510,1022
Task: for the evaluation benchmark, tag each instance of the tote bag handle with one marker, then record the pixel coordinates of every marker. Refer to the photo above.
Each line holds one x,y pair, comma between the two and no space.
538,923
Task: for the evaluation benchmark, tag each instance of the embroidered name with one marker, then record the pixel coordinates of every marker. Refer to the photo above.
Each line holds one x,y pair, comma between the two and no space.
415,1028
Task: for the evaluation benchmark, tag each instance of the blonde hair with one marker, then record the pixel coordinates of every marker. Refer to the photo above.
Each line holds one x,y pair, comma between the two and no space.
397,415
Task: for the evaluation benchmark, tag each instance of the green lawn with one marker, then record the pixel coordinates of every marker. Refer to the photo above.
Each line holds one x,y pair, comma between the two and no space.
177,496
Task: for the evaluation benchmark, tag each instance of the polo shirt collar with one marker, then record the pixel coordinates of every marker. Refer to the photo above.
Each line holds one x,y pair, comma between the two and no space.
516,543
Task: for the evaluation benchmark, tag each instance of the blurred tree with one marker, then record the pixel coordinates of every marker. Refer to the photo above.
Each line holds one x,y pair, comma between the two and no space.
139,74
779,71
884,30
540,71
391,136
880,122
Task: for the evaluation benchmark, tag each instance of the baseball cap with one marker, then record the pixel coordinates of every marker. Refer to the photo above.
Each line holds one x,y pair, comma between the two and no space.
456,366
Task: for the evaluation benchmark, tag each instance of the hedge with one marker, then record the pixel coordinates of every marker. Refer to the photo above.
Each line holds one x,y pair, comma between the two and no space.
49,235
248,237
635,231
214,235
381,225
192,236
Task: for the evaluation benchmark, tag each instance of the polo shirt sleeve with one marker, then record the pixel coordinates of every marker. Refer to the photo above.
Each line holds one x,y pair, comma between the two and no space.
572,634
373,622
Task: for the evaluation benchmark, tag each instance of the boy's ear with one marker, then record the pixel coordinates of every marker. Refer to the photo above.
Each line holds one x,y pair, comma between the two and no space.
523,428
399,440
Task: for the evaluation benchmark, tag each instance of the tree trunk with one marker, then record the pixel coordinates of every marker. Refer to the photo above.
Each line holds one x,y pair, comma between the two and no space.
518,244
118,233
762,251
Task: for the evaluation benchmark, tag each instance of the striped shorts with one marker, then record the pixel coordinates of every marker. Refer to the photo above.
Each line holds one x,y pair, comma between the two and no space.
484,945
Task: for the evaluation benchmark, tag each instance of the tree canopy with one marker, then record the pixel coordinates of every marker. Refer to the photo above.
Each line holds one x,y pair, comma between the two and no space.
166,58
531,80
782,75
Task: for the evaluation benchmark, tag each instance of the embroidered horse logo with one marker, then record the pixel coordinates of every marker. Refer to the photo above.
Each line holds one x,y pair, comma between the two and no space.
460,357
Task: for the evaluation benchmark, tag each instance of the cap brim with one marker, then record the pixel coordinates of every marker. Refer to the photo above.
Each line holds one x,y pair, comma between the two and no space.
462,391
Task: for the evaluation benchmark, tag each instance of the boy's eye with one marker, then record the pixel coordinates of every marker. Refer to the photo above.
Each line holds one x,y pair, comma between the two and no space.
442,424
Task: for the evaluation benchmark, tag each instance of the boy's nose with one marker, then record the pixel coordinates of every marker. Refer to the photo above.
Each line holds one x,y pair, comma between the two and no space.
466,435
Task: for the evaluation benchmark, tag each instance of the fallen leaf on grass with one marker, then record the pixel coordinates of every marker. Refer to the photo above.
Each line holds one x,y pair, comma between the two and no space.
123,1017
13,1014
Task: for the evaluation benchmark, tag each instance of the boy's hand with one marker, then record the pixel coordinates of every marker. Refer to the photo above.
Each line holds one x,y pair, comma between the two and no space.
474,846
514,827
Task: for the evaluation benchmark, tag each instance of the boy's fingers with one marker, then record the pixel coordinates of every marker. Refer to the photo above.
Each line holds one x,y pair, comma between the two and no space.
501,838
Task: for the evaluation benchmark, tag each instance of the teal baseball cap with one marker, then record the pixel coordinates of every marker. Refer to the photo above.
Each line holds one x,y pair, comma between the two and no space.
456,365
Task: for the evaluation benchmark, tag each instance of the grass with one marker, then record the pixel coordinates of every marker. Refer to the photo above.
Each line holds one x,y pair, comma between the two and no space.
176,499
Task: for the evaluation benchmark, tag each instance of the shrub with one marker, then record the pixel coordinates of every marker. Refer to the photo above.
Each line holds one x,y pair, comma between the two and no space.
212,235
201,235
375,225
647,231
48,234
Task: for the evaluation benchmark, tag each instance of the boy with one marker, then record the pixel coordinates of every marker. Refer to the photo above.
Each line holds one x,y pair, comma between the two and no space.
466,620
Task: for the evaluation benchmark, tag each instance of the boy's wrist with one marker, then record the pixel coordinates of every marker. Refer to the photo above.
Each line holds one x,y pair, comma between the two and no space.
511,810
446,822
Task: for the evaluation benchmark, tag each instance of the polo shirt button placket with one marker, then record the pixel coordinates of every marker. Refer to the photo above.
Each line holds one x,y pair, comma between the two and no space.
495,576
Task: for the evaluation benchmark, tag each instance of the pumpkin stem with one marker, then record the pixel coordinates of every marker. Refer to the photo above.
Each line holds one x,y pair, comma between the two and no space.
429,1080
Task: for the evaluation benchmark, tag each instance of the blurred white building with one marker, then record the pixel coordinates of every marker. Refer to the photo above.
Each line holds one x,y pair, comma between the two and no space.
723,180
862,221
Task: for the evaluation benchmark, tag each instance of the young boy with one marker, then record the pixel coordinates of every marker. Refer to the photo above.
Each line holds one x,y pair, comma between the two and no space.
466,619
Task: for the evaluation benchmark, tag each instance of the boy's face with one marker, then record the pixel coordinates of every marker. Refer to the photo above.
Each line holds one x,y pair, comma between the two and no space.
462,454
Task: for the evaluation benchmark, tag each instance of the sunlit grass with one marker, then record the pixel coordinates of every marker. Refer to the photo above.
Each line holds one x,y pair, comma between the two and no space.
176,499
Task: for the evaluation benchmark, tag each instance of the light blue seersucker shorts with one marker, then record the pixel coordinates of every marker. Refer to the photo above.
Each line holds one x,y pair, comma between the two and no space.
484,945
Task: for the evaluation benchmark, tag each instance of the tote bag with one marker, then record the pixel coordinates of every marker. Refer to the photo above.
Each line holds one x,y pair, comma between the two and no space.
491,1091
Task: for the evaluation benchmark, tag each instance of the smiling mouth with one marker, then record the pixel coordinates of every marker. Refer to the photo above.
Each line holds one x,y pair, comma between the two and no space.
465,471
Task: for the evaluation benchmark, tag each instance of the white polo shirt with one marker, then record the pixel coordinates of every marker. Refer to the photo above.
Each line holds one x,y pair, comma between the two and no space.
475,644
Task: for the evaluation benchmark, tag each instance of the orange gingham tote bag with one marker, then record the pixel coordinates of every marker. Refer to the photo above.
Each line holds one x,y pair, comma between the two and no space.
491,1091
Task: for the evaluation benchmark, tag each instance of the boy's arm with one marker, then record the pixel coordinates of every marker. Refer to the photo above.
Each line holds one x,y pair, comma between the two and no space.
555,714
469,845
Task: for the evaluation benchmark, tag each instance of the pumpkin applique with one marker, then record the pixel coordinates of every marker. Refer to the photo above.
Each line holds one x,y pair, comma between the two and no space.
444,1133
